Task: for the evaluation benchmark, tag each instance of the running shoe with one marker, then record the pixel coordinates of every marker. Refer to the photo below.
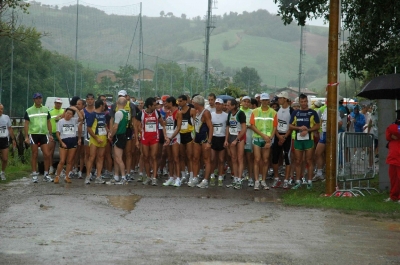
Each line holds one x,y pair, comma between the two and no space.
3,176
99,180
238,184
220,183
277,183
285,185
263,184
154,182
250,182
169,182
309,186
56,180
140,178
80,175
317,177
51,170
146,181
183,181
194,182
212,180
87,180
67,179
177,182
257,185
47,178
296,186
203,184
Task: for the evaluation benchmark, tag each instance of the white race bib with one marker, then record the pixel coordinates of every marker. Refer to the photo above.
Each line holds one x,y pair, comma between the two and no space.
185,125
170,128
301,138
282,126
3,131
150,127
233,130
68,130
102,130
217,128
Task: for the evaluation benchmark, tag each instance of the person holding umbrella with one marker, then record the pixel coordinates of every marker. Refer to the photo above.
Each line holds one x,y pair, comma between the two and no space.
393,159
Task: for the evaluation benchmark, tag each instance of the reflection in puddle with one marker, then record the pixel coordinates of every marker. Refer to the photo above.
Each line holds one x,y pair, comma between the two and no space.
263,199
127,202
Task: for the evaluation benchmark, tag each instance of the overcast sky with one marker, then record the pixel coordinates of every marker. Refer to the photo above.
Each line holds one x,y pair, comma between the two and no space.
191,8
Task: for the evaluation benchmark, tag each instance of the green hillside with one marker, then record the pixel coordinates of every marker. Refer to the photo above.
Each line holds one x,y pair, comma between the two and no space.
258,40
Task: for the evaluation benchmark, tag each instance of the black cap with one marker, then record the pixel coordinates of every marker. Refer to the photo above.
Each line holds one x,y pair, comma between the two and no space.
74,100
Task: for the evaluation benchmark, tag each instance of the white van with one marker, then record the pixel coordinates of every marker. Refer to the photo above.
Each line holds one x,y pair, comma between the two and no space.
50,102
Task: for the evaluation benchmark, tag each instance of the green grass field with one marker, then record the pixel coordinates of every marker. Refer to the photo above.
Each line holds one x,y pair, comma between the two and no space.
369,205
271,58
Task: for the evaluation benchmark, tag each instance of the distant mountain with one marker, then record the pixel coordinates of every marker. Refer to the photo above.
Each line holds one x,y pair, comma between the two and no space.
257,39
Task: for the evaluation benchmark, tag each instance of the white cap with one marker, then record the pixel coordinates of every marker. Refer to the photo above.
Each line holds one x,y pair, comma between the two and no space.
283,94
246,97
160,102
122,93
257,95
219,100
58,100
318,103
264,96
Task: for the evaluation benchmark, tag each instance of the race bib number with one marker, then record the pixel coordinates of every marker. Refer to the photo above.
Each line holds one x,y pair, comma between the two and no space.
217,128
102,130
68,129
302,138
185,125
170,128
233,130
150,127
282,126
324,126
3,131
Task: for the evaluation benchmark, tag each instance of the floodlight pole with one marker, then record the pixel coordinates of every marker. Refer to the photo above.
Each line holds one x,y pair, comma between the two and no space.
332,92
76,45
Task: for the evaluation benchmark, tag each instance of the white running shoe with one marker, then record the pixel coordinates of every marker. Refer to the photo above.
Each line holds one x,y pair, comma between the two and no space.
203,184
169,182
177,182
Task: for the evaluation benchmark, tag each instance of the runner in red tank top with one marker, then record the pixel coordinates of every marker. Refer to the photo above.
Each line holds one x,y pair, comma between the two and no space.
147,123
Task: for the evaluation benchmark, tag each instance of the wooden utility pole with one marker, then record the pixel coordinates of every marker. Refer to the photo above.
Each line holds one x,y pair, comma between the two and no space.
332,92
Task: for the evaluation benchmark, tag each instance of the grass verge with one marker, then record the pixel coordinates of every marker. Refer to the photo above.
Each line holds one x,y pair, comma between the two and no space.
16,169
372,204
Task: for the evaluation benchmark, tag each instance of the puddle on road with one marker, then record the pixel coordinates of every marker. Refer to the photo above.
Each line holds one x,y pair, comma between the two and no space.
263,199
124,202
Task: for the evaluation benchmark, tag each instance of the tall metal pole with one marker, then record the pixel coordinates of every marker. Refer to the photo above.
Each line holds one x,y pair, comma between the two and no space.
140,49
12,60
156,94
76,45
208,31
170,88
301,58
1,83
27,91
54,83
332,91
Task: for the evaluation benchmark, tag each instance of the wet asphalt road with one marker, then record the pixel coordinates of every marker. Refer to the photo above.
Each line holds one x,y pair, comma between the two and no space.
134,224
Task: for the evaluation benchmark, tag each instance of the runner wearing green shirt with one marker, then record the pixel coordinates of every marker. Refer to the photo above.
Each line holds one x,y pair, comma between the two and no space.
55,115
38,132
263,122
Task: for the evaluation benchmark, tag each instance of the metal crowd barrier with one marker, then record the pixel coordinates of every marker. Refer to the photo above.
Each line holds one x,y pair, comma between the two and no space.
356,164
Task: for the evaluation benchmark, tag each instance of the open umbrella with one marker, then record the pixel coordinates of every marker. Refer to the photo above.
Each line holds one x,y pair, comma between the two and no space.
382,87
225,98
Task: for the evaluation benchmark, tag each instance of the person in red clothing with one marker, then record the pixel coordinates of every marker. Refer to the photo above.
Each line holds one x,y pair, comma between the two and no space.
393,158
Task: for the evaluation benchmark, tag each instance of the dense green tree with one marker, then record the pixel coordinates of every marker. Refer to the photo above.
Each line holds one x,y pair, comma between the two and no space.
373,44
247,79
125,76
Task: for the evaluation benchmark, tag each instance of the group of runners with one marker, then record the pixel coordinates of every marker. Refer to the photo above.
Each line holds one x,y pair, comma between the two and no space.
180,138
